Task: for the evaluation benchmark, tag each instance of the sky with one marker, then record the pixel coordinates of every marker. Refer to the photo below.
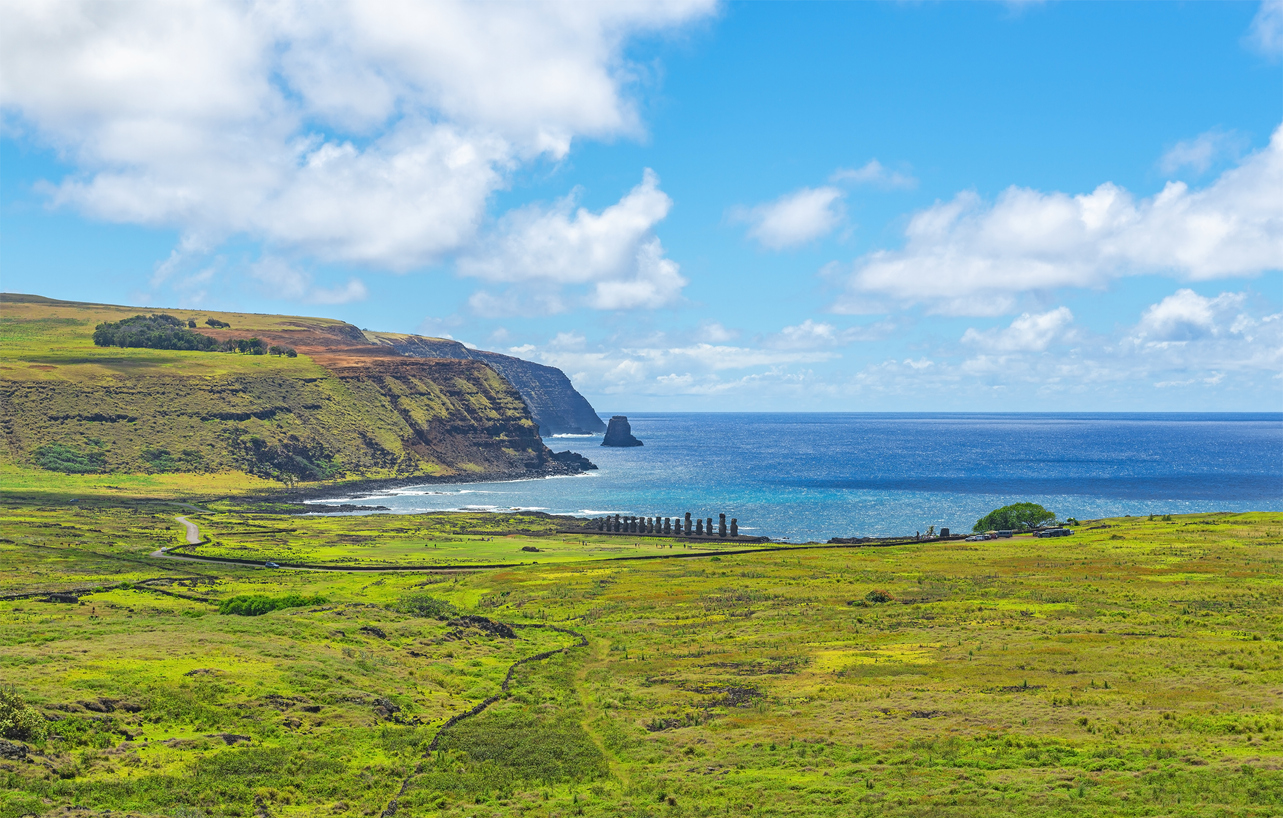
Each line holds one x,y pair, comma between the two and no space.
685,205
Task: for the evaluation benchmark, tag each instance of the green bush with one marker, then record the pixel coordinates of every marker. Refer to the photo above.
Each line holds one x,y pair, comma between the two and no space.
425,606
19,720
68,460
259,604
1014,518
156,331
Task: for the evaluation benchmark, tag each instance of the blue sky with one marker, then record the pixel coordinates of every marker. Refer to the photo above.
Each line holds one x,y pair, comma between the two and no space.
687,205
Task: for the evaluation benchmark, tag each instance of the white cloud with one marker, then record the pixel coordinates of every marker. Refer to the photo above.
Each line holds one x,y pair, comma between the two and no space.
615,250
971,258
1199,153
1266,33
370,132
795,218
1187,316
812,334
1028,333
714,333
281,280
875,173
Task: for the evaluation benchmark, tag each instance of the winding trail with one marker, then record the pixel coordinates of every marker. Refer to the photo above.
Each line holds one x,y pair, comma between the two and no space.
467,714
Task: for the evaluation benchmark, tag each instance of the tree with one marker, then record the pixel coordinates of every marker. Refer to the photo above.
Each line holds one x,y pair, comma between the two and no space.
1014,517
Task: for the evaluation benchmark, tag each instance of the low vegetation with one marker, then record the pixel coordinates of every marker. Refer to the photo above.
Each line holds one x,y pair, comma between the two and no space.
1131,669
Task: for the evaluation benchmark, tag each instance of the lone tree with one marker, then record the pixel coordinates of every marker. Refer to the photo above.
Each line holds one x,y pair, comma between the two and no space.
1014,517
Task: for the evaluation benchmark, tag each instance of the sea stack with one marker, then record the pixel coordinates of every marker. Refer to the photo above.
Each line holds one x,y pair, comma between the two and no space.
619,433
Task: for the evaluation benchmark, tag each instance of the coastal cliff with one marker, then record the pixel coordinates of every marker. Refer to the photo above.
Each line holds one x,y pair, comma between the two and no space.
342,408
554,402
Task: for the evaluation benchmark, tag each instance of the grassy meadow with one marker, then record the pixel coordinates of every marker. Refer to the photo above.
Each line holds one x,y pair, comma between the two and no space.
1135,668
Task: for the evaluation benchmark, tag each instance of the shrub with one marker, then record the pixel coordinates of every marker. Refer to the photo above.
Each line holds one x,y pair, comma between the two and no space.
216,324
19,720
155,331
259,604
1014,517
878,596
191,323
68,460
425,606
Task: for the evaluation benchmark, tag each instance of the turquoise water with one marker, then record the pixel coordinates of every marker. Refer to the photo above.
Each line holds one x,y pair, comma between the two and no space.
815,476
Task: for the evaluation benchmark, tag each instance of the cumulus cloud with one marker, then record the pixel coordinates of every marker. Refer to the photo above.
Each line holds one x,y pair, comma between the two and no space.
795,218
1199,153
875,173
969,257
1028,333
370,132
1187,316
615,251
279,279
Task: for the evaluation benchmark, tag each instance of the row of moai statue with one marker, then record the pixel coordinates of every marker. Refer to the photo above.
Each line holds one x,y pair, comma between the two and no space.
667,525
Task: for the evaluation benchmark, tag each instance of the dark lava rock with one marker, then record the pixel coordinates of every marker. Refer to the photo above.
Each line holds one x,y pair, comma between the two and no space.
12,750
373,631
228,738
620,433
487,625
530,548
575,461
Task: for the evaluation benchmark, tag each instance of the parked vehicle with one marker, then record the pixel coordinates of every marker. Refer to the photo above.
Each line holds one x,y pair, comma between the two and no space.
270,565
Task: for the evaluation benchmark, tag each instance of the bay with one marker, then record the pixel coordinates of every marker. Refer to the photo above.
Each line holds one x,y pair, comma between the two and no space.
812,476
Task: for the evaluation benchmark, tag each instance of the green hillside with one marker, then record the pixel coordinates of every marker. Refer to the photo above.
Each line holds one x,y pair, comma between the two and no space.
75,416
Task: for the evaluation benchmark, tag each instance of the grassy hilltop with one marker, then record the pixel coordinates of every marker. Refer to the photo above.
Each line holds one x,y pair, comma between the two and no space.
83,418
1132,669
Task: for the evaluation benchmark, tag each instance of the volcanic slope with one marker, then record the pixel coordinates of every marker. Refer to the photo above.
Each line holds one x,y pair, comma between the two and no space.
342,409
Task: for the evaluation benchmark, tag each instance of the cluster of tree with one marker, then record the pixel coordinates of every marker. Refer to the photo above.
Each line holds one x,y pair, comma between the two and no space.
288,352
249,346
1015,517
155,331
212,322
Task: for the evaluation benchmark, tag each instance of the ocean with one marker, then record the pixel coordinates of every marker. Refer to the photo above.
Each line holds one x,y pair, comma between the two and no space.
812,476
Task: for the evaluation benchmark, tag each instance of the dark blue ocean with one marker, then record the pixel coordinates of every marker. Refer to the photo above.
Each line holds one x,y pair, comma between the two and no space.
815,476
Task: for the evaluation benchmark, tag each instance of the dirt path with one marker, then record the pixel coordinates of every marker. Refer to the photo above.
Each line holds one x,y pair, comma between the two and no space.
193,533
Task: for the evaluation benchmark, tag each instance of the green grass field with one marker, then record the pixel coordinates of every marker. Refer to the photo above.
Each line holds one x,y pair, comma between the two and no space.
1133,669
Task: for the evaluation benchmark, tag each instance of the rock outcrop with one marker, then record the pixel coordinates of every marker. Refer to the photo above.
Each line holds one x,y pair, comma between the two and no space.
554,403
620,433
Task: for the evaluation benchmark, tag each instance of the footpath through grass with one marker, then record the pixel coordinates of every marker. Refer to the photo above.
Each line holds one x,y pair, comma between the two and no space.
1133,669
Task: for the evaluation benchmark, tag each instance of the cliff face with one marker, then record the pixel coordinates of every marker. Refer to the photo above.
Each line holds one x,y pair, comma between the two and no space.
343,408
554,403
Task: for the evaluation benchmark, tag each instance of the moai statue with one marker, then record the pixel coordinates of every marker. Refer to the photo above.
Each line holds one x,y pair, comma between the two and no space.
735,527
601,524
650,525
708,527
699,528
721,525
668,525
688,524
632,525
618,524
